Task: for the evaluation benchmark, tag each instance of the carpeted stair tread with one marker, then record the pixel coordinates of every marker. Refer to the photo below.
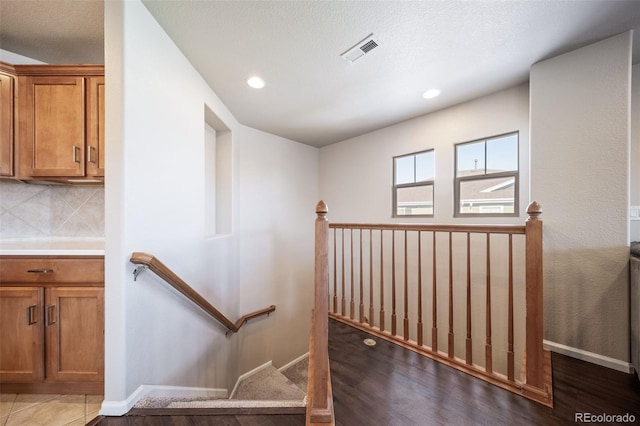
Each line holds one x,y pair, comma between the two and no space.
269,385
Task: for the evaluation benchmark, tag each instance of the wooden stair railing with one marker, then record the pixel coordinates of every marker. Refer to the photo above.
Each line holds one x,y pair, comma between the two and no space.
319,394
153,264
396,272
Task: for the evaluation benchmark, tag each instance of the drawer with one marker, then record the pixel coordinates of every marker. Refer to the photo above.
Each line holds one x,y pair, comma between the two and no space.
51,269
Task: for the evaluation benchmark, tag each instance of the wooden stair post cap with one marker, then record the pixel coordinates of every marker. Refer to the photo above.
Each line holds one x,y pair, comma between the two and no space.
534,210
321,208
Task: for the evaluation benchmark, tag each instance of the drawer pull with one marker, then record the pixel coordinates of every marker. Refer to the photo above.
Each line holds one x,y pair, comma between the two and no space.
50,318
31,318
40,271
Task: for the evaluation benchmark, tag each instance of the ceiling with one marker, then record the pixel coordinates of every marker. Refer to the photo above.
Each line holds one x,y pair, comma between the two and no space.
464,48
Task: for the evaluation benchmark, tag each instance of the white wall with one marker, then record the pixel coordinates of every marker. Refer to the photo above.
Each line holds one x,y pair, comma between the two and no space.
277,195
635,149
580,174
356,181
356,174
155,203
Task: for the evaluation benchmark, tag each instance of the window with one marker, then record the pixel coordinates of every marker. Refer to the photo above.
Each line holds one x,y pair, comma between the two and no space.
413,176
486,182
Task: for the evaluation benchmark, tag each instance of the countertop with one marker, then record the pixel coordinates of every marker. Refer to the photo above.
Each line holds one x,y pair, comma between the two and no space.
52,247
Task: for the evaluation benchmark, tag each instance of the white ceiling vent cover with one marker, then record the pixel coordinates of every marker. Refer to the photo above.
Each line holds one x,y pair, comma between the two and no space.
360,49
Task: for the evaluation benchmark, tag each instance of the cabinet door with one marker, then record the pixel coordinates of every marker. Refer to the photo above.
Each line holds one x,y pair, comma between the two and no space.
6,124
95,127
21,328
52,125
74,330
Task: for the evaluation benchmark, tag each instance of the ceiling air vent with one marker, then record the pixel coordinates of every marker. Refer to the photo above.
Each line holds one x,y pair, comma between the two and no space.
360,49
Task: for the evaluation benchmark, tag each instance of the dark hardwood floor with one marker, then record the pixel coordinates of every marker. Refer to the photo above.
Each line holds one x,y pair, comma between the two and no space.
388,385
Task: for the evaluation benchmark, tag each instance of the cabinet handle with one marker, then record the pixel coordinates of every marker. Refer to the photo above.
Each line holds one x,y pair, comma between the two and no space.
75,154
40,271
91,159
48,316
30,315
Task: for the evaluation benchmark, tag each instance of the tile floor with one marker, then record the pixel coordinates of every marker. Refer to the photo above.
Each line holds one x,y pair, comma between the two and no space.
48,410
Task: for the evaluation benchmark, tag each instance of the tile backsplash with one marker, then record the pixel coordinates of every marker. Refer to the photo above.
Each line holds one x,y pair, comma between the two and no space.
45,211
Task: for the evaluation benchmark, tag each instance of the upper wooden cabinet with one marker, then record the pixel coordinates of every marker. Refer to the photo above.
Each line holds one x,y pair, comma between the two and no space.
52,126
60,122
7,92
95,127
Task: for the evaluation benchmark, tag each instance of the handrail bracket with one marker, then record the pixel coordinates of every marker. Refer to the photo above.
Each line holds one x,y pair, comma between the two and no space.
137,271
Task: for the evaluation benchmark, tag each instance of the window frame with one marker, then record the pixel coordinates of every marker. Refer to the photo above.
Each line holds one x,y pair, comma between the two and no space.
422,183
515,174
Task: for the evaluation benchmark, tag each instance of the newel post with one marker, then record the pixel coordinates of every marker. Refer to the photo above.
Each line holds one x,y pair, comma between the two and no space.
320,404
534,281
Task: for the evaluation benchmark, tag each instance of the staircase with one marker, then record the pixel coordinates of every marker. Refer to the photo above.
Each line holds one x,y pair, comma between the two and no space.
263,391
266,391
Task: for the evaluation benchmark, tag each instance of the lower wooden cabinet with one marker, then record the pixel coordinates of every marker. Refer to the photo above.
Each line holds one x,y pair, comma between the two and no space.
22,330
74,324
52,331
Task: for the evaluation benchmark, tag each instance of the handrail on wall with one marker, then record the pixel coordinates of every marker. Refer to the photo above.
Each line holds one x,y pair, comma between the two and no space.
152,263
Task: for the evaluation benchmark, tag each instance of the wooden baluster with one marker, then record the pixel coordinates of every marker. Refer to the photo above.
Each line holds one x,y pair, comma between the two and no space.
361,283
344,301
420,338
534,318
510,355
434,327
393,282
320,404
406,289
487,348
381,282
335,274
351,303
451,351
371,277
469,352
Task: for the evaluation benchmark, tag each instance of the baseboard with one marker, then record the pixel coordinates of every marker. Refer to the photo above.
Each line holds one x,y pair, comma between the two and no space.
591,357
249,374
119,408
295,361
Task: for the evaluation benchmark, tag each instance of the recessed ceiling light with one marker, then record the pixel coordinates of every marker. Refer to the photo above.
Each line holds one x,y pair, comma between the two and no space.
256,82
431,93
